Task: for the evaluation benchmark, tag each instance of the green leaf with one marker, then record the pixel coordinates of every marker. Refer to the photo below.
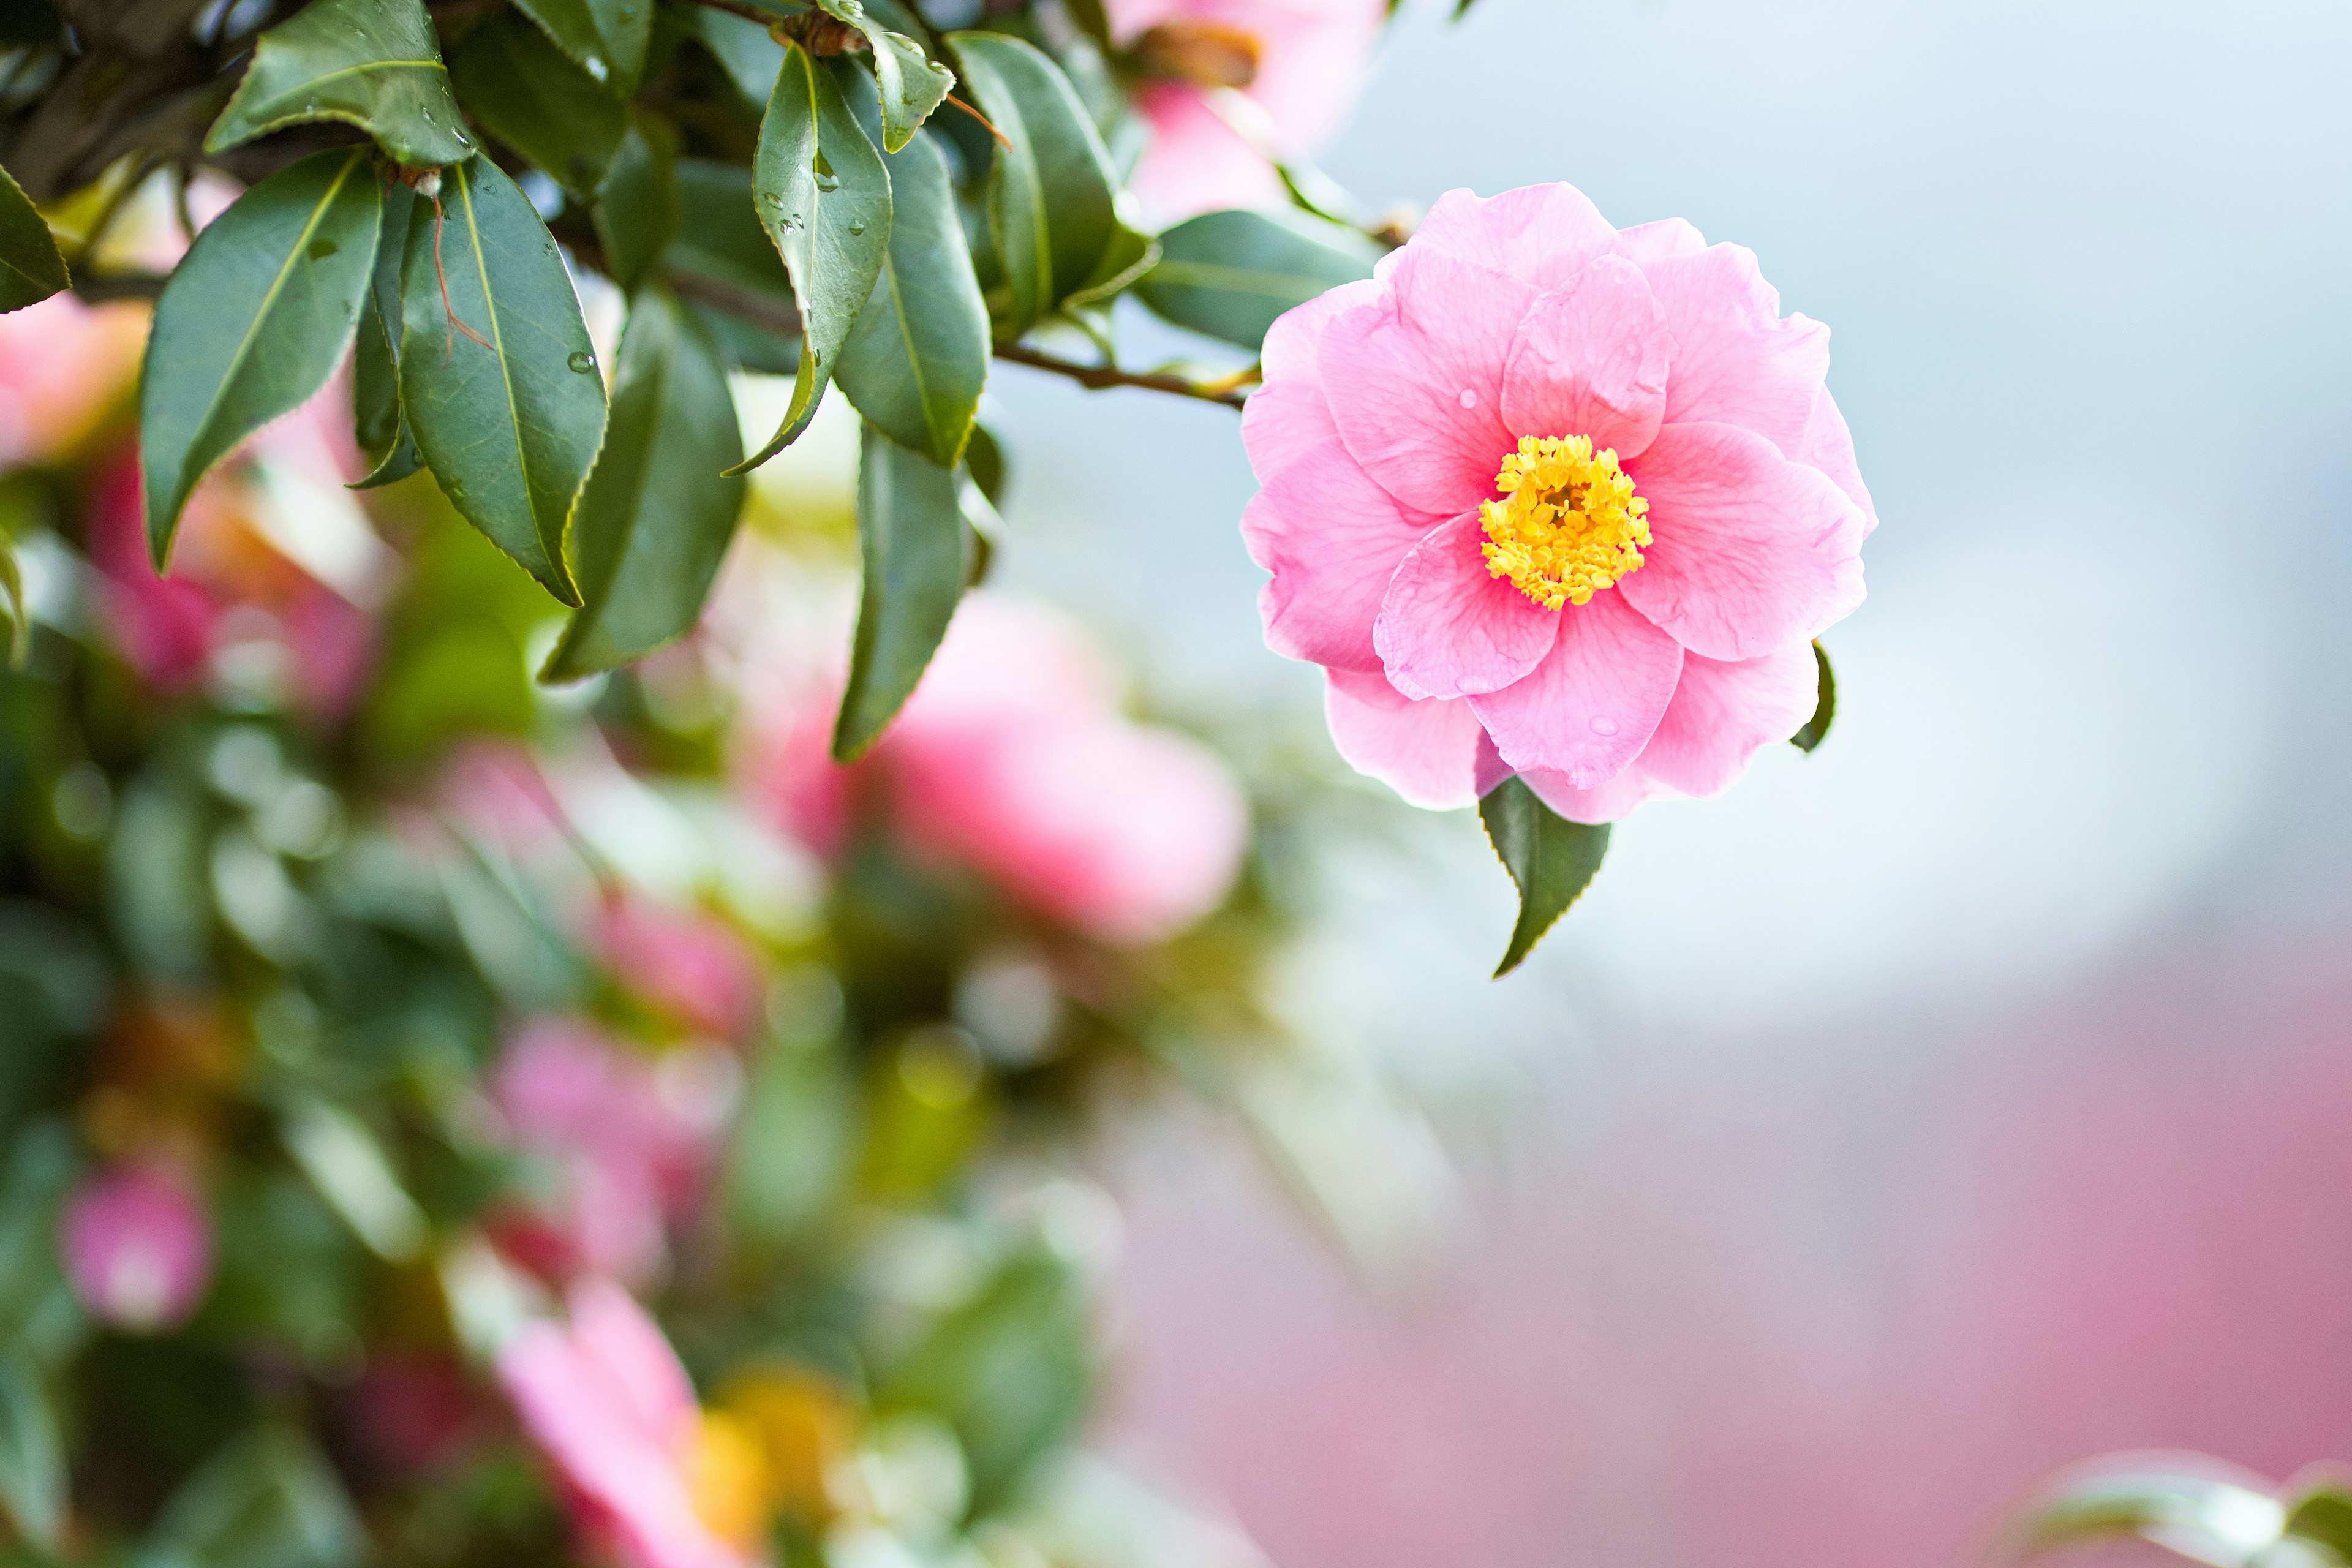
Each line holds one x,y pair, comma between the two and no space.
346,1163
371,63
378,422
915,545
659,511
2320,1511
1228,274
2204,1516
30,267
32,1456
1127,257
1052,198
253,321
984,459
532,98
636,210
823,198
510,412
720,239
605,38
20,618
918,358
1816,728
1551,858
744,49
267,1499
912,83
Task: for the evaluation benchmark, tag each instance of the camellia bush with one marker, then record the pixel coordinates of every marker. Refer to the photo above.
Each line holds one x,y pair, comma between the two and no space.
566,964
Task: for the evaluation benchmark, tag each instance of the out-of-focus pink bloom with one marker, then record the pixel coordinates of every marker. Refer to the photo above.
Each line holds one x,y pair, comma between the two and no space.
1548,498
496,788
692,966
631,1139
1294,66
138,1249
1012,759
62,362
605,1400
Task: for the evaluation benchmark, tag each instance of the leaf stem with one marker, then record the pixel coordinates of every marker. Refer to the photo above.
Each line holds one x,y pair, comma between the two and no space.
1227,390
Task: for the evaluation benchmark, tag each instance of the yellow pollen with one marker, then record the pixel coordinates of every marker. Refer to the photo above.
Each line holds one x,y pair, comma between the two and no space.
1569,523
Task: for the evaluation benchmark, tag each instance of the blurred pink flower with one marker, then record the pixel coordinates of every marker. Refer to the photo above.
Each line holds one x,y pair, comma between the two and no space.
1295,68
1012,758
138,1249
414,1411
605,1400
631,1139
62,362
1548,498
693,967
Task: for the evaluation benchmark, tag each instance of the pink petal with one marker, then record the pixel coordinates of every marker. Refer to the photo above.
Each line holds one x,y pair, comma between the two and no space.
1590,706
1446,628
625,1346
1591,361
1195,162
1604,803
1723,713
1416,379
1543,235
1647,242
1736,361
1288,414
1828,445
1333,539
1425,750
1748,551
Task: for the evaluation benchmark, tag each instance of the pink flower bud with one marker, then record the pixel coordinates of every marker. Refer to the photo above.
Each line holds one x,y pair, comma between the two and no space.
138,1249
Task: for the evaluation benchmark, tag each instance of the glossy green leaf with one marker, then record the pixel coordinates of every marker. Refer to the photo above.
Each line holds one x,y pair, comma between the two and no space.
1551,858
32,1456
659,511
374,64
636,210
19,616
30,267
1051,192
605,38
1816,728
915,546
267,1499
510,412
724,265
2203,1515
912,83
1230,274
253,321
744,49
378,423
984,459
531,96
824,196
918,359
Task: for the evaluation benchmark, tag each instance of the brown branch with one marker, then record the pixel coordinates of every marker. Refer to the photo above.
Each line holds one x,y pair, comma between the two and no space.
1227,390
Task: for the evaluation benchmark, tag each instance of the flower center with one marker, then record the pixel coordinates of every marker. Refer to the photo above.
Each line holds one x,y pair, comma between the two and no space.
1569,523
1208,55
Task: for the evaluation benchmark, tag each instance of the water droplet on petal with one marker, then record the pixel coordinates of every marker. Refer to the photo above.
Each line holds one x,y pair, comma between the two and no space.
1604,726
585,361
1468,399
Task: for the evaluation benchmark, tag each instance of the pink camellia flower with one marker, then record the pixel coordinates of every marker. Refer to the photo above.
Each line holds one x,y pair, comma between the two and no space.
1294,65
1012,758
138,1250
1549,498
605,1400
62,362
691,966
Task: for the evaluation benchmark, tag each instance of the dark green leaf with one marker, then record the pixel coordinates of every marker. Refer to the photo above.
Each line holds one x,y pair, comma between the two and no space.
746,345
20,619
605,38
32,1456
659,511
371,63
637,207
1816,728
1051,193
1551,858
381,426
253,321
1127,257
984,459
30,267
912,83
533,98
269,1499
509,412
1092,20
1230,274
918,359
2204,1516
914,542
720,239
744,49
823,198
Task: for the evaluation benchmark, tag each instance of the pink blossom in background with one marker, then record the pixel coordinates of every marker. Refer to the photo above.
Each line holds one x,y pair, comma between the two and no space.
62,364
692,966
1296,65
630,1138
605,1400
1551,498
137,1247
1012,759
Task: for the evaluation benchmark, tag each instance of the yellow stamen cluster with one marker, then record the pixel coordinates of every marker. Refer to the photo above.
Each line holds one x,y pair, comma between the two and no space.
1568,524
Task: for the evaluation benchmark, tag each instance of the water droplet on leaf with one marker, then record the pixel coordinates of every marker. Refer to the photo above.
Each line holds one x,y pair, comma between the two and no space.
855,229
585,361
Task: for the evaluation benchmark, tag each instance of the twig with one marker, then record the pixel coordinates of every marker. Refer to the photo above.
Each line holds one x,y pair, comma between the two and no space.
1227,390
97,287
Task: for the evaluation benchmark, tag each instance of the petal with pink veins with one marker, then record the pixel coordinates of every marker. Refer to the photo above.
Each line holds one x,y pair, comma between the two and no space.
1748,551
1604,803
1288,413
1543,235
1591,360
1590,706
1828,445
1448,628
1425,750
1333,539
1416,379
1647,242
1736,361
1724,712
